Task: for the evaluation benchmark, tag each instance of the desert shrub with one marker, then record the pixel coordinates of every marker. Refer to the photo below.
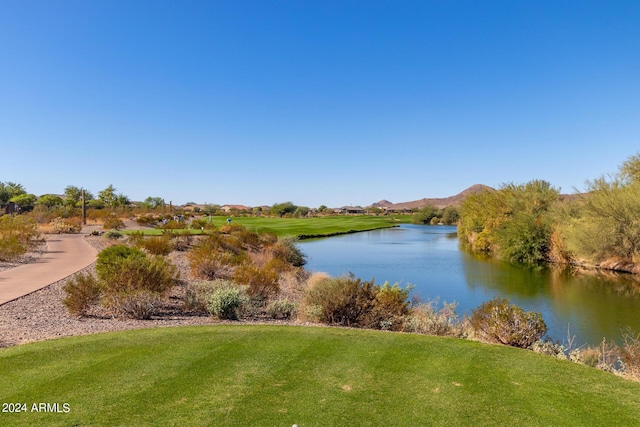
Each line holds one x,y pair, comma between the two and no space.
112,222
313,313
261,282
287,250
390,304
138,304
498,321
198,293
149,273
428,318
18,234
549,348
147,220
110,259
231,228
225,302
202,224
172,224
630,353
82,292
207,262
122,268
113,235
588,356
60,225
135,238
344,300
282,309
158,245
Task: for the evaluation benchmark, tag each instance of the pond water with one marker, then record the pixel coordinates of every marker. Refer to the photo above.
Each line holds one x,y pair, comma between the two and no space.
590,305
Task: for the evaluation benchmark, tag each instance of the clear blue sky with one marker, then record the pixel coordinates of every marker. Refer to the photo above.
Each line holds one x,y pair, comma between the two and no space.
315,102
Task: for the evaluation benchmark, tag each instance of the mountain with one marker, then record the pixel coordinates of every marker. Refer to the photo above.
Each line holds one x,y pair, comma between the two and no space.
437,202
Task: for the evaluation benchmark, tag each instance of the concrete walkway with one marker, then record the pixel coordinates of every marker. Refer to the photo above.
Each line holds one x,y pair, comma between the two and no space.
66,254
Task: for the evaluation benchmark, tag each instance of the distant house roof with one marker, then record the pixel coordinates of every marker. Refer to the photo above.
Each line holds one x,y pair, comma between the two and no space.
228,208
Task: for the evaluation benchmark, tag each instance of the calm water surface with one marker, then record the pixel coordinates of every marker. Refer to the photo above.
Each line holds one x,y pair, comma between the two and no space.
429,257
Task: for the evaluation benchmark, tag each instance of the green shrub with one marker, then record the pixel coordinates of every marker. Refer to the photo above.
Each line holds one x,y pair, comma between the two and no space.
136,304
113,235
197,294
149,273
287,250
388,308
226,302
282,309
82,292
344,300
18,234
498,321
110,259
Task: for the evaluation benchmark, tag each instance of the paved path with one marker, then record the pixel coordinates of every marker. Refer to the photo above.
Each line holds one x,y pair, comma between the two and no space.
66,254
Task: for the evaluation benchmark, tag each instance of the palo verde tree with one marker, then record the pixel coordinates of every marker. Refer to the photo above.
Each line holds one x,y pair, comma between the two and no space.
513,223
605,222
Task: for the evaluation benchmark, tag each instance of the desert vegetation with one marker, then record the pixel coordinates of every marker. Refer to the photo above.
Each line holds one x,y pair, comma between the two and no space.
233,274
532,224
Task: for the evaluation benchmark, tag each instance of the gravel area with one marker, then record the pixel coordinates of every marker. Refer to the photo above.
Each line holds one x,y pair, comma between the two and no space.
42,315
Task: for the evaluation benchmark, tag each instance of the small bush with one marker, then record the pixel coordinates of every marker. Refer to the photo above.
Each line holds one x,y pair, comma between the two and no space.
287,250
428,318
498,321
262,282
388,308
113,235
17,235
202,224
225,302
110,259
154,274
113,223
208,263
158,245
282,309
344,300
67,226
549,348
630,354
139,304
135,238
83,292
198,293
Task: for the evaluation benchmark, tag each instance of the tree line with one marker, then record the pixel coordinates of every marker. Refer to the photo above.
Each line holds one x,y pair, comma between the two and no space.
533,223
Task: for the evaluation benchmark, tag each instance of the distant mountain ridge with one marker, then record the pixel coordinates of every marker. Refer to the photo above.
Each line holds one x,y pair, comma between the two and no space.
439,203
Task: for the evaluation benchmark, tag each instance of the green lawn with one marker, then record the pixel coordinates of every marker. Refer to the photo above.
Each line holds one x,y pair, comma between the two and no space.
238,375
307,227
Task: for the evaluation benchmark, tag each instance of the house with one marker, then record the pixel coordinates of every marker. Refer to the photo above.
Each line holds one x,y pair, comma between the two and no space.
232,208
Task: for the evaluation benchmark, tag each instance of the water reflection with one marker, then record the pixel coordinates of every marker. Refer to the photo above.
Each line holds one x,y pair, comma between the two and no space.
594,304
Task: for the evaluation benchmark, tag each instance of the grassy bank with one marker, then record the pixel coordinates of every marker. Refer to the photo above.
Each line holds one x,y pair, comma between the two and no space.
307,227
278,375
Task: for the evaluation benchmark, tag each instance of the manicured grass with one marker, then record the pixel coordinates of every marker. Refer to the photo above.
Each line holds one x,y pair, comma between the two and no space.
305,227
253,375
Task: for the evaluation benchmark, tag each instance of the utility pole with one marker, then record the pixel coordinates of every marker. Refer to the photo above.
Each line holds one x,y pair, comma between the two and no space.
84,210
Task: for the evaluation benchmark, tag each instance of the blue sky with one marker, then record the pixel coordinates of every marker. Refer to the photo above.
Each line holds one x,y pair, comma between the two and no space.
315,102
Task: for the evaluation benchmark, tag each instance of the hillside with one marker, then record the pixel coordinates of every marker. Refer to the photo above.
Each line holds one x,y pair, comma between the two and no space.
437,202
